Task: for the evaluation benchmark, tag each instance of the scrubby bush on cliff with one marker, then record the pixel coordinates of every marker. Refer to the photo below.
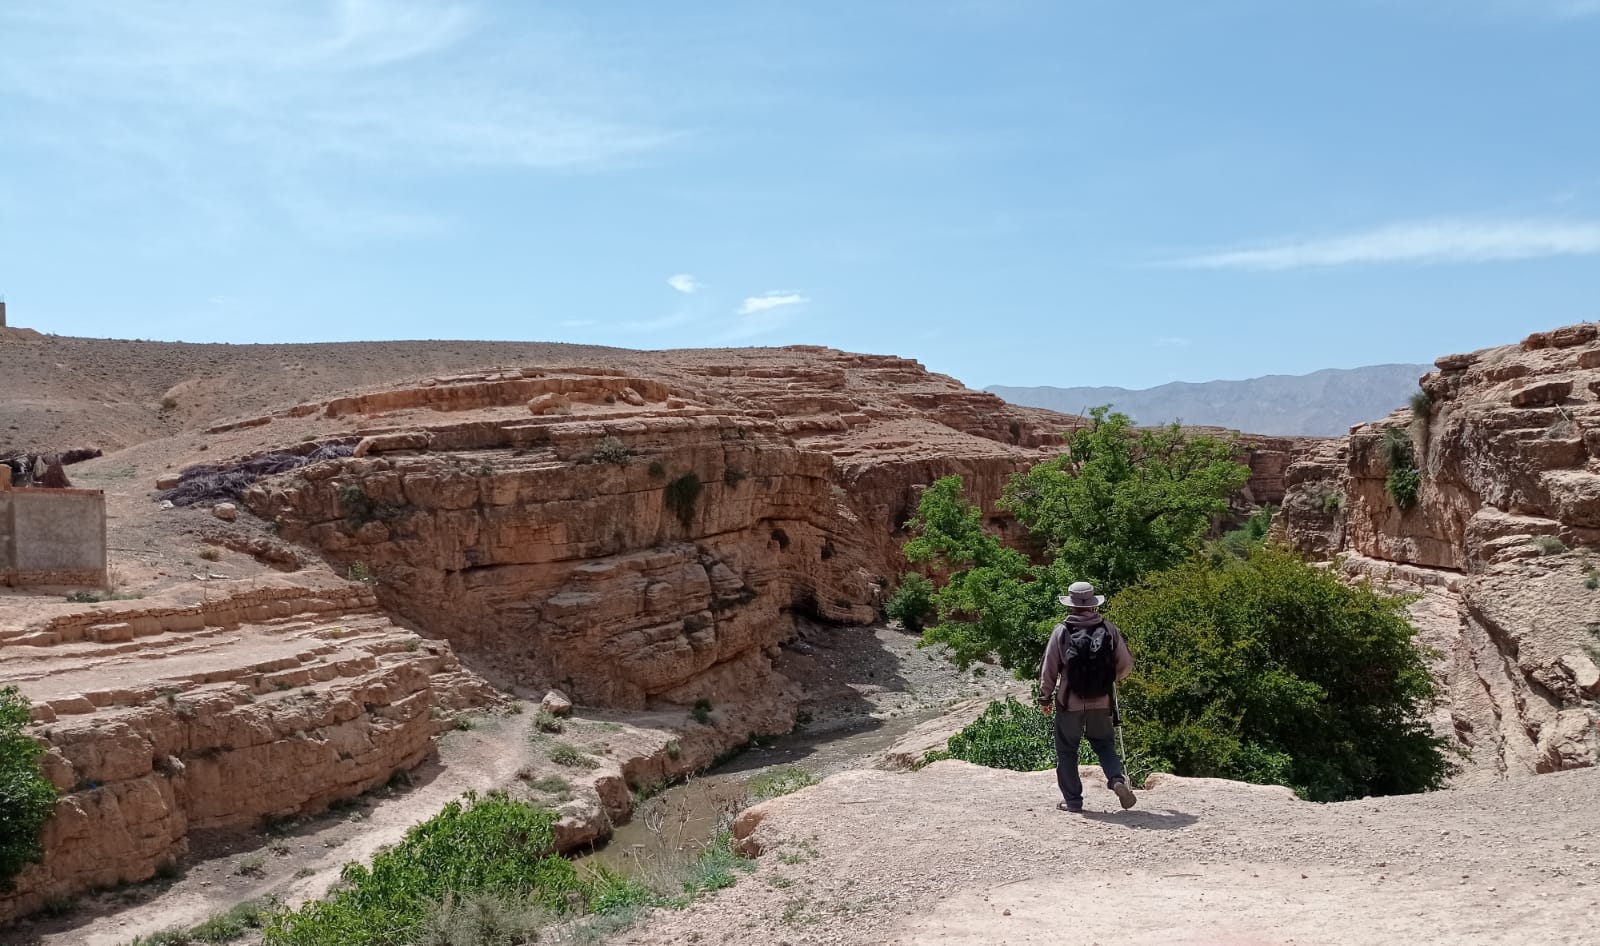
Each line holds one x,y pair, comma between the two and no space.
912,602
1119,504
27,798
1404,480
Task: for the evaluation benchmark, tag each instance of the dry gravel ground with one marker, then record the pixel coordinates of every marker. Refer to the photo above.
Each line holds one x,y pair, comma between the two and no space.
958,854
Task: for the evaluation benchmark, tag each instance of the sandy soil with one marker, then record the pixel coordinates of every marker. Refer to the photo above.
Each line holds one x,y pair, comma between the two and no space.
957,854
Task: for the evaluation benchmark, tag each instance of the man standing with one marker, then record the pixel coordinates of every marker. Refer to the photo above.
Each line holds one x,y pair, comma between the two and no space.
1084,660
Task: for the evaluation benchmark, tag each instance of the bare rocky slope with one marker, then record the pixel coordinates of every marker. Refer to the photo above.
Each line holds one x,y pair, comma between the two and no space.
1323,403
1498,544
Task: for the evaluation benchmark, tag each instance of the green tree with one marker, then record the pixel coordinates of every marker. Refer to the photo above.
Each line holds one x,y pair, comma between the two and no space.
1268,669
27,798
1119,504
994,603
1122,503
912,602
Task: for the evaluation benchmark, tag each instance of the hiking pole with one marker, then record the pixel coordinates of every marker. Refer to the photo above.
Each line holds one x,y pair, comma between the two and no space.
1116,720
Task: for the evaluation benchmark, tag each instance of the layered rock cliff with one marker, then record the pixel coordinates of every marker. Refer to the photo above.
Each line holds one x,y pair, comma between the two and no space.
1508,459
164,718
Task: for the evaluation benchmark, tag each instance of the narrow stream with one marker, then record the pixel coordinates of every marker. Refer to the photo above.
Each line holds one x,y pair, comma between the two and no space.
680,821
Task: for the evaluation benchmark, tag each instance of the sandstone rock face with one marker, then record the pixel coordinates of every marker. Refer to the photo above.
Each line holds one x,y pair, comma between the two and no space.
652,538
164,719
1510,462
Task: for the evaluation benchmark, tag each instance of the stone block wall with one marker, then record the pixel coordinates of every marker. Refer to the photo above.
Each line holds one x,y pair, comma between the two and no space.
52,537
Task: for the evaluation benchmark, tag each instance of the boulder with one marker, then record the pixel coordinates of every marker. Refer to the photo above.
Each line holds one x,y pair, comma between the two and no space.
633,397
549,404
1542,394
1585,675
556,703
390,443
1452,363
168,481
227,512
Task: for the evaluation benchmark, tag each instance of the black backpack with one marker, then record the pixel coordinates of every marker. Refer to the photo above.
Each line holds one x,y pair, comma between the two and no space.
1091,659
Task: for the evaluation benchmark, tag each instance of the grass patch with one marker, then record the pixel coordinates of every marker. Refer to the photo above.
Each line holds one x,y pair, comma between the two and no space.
547,722
781,781
569,755
251,865
1548,544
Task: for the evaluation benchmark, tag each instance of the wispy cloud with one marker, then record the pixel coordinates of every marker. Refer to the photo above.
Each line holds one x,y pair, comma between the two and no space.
1416,243
243,102
775,299
1172,341
685,283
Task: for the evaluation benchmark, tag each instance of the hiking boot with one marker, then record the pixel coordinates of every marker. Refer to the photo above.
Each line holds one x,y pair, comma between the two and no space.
1068,806
1124,793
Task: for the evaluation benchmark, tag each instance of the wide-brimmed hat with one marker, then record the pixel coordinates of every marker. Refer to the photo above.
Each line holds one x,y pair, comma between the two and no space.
1080,594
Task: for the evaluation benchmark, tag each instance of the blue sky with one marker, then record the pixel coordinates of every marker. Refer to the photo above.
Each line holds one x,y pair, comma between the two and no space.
1012,192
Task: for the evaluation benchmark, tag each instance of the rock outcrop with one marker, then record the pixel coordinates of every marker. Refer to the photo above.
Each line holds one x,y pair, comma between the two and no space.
165,718
1508,456
650,537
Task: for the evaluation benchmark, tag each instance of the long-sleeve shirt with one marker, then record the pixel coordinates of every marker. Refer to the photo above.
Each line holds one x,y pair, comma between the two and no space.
1056,655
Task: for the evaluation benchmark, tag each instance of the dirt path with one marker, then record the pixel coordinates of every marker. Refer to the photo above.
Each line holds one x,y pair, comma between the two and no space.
957,854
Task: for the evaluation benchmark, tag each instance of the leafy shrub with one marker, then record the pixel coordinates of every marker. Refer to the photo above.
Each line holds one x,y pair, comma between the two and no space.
1333,503
548,722
210,553
1008,735
569,755
701,713
27,797
1404,480
1548,544
169,403
681,495
912,602
474,846
1272,670
1240,542
1591,581
360,509
781,781
1421,403
612,450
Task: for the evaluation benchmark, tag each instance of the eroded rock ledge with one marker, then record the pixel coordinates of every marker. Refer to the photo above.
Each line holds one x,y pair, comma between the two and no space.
1509,454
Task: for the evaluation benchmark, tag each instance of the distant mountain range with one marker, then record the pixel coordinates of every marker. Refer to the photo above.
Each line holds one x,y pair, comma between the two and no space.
1320,404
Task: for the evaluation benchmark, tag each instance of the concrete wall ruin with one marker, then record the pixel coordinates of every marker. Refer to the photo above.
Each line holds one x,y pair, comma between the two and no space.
52,537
